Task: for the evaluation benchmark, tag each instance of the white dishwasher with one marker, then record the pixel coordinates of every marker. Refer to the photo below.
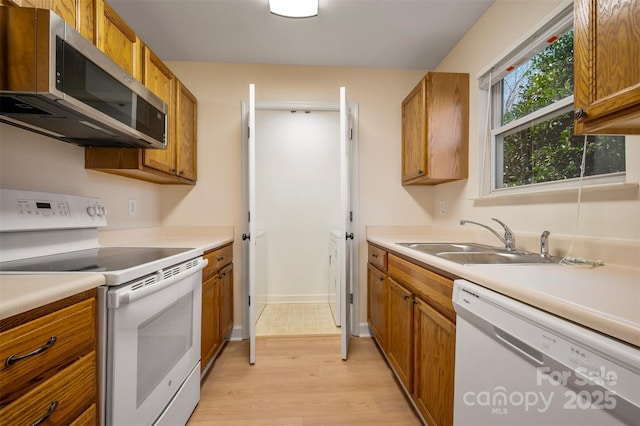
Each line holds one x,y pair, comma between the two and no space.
518,365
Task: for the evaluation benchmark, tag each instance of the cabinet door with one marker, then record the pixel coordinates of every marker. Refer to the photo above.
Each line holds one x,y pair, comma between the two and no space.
606,67
210,320
400,331
435,342
186,133
414,131
159,79
79,14
376,296
226,301
115,38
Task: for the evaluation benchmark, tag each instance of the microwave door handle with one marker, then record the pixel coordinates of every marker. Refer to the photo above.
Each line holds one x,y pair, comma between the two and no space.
116,299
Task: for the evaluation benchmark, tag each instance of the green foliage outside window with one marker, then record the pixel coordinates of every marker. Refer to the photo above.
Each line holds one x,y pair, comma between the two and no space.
546,150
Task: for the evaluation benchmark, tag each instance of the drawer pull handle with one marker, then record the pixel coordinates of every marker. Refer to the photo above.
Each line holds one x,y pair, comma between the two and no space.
374,255
220,259
44,418
15,358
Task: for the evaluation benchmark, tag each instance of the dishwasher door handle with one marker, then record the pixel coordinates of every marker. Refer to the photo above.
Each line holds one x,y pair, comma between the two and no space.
519,345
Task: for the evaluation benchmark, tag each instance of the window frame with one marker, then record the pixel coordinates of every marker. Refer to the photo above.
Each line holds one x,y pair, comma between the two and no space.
559,21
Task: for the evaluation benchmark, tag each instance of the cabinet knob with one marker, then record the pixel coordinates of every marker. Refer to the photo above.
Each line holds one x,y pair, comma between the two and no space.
579,113
181,172
420,172
405,297
174,170
381,278
414,302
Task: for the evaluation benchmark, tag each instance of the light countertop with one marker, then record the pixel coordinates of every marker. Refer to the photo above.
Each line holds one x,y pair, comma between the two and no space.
22,292
605,299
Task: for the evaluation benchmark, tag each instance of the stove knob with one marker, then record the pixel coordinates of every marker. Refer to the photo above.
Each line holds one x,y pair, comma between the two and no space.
91,211
102,211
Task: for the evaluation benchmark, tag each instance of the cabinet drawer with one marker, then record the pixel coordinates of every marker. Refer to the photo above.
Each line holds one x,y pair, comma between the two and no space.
74,329
378,257
217,259
433,288
71,392
88,418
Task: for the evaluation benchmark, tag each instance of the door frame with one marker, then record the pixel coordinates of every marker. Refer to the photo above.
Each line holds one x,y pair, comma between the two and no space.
355,263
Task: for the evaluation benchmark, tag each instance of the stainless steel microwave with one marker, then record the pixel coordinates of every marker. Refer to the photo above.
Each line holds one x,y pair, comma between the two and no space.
57,83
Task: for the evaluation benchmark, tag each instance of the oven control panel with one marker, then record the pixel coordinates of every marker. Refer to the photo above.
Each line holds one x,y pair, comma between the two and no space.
29,210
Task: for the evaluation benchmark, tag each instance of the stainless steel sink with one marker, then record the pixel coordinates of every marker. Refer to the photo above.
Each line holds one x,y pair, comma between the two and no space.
497,258
474,254
431,248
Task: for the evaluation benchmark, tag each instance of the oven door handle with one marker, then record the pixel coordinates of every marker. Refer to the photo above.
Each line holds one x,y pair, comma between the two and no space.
127,295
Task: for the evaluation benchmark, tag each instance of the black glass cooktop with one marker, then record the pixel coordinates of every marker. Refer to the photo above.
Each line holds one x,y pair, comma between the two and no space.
102,259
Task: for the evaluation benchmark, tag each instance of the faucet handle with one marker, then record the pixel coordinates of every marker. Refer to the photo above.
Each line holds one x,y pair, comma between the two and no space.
544,244
509,237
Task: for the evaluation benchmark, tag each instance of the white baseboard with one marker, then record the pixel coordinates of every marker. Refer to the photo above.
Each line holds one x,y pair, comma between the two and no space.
236,334
364,330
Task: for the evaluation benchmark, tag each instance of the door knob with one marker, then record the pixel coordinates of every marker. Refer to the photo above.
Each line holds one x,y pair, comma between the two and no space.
246,237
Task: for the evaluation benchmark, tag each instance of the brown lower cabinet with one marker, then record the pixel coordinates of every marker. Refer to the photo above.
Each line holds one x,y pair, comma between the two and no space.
420,331
58,384
217,304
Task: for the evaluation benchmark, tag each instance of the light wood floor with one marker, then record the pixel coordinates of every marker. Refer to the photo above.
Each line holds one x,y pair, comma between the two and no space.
302,381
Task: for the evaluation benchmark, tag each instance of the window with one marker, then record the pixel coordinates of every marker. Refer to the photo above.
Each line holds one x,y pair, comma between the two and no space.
531,116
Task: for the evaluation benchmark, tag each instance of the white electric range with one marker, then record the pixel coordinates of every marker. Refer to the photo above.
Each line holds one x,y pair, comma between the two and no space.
149,310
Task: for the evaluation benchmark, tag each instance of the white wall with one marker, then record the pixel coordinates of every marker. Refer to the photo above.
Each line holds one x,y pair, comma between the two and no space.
29,161
297,199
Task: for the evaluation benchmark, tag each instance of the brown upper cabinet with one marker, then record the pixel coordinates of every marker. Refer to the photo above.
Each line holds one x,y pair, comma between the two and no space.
435,130
157,77
177,163
606,67
79,14
117,40
186,133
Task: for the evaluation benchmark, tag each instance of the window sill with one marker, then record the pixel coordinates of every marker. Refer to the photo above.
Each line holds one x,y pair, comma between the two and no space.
619,190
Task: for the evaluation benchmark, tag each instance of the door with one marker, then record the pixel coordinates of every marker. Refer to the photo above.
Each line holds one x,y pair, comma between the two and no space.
251,218
344,251
153,342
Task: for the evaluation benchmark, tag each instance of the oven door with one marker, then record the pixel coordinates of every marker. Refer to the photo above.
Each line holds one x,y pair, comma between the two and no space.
153,344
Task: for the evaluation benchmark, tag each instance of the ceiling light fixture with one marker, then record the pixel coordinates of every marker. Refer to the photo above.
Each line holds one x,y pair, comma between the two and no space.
294,8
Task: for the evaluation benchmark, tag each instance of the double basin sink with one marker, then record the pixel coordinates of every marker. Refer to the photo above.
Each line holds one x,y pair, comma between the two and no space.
473,254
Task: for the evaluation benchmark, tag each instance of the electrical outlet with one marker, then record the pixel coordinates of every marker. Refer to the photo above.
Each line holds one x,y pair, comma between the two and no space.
133,208
443,207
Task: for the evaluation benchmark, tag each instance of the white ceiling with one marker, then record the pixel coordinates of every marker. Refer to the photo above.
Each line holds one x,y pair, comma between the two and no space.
358,33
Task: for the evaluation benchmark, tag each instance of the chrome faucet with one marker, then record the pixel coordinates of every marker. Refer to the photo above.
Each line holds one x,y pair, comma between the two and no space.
544,244
509,240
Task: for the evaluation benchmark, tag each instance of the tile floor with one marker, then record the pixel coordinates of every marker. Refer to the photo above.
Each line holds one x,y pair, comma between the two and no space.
296,319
